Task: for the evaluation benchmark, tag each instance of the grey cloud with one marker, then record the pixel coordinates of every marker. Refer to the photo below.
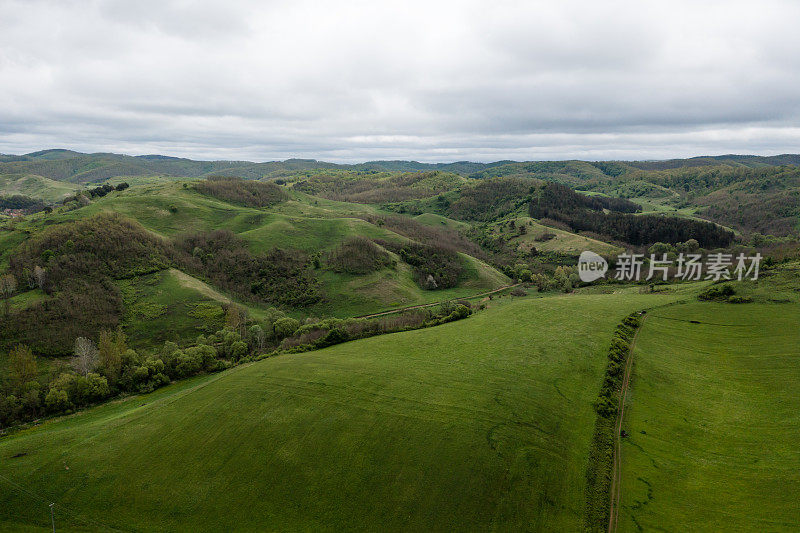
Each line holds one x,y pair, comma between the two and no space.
433,81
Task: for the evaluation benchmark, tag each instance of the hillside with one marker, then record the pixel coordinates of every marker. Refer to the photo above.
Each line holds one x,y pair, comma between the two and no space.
297,223
713,420
35,186
482,423
182,350
711,188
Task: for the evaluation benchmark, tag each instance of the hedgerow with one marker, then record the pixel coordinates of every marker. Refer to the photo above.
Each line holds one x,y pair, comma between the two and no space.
601,449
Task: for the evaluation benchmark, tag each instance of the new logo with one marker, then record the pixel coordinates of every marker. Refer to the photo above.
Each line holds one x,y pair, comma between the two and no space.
591,267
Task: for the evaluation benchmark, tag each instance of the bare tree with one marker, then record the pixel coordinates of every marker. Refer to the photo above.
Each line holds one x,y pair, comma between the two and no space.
258,336
40,275
85,359
8,284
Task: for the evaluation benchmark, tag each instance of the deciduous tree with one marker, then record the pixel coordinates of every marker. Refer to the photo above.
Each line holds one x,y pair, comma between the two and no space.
8,284
22,366
85,359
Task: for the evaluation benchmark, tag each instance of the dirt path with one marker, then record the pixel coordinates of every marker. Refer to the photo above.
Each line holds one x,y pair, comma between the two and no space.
616,472
420,306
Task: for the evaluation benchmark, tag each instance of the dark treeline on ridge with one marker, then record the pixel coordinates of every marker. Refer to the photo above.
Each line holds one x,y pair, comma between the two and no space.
581,213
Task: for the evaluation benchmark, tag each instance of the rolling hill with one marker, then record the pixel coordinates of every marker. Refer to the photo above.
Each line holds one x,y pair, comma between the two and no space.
483,423
237,301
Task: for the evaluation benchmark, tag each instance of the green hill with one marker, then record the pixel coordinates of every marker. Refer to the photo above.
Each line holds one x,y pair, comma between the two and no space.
314,226
479,424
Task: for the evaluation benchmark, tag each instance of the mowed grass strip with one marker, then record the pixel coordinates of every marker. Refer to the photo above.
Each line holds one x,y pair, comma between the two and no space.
479,424
714,421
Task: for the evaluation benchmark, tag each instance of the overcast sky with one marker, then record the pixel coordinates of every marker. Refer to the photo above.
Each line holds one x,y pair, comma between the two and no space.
429,80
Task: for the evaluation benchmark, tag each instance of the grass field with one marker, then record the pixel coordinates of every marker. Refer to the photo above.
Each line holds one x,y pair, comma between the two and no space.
478,424
713,420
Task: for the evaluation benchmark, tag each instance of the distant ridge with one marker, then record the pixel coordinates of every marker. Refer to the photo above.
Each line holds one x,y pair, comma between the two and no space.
77,167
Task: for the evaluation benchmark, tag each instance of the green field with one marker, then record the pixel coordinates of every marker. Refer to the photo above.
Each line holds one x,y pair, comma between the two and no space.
478,424
714,420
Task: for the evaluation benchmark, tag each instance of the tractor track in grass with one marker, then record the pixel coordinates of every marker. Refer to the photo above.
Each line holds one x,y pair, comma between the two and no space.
616,472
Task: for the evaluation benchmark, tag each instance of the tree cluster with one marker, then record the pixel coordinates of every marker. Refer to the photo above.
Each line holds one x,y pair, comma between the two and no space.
75,264
277,277
19,201
249,193
434,267
491,199
580,213
357,255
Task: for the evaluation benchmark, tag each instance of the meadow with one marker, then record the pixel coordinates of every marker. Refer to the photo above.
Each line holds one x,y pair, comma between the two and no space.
478,424
713,420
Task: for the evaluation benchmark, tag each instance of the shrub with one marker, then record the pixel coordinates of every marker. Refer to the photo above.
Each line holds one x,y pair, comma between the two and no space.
88,389
238,350
717,292
57,400
285,327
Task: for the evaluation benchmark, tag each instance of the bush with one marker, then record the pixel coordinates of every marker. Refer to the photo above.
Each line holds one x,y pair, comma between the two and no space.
238,350
57,400
285,327
717,292
89,389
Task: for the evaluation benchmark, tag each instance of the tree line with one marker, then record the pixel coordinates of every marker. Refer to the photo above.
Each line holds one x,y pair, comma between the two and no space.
562,204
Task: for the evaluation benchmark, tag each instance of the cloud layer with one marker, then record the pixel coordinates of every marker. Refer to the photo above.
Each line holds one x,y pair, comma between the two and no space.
431,81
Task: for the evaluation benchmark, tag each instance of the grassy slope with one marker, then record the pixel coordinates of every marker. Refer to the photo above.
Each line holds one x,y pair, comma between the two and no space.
439,221
478,424
169,305
304,222
35,187
564,241
713,418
